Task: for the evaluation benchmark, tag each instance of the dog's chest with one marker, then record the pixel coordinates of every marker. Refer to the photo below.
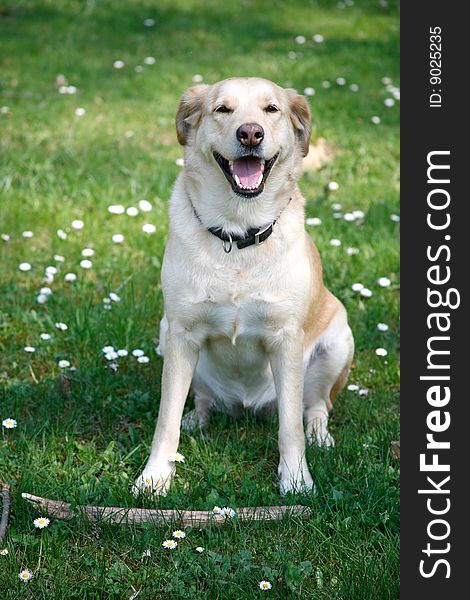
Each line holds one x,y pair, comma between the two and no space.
239,304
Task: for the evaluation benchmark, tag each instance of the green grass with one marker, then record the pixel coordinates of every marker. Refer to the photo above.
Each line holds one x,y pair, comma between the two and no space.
88,447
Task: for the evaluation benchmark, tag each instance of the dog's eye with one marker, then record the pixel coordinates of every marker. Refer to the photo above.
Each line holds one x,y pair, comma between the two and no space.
222,109
271,108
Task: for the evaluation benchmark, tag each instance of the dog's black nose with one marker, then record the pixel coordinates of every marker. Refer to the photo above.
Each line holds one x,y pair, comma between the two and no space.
250,134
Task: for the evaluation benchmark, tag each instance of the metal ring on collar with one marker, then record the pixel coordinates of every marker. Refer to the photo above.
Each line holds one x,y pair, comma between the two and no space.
227,244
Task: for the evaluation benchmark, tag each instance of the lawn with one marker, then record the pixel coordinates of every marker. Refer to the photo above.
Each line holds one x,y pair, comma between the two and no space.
86,440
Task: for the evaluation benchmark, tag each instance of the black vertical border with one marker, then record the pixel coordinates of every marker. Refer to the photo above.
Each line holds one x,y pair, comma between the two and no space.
424,129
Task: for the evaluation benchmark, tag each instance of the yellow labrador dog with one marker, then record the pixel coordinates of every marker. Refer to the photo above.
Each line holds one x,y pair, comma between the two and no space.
248,322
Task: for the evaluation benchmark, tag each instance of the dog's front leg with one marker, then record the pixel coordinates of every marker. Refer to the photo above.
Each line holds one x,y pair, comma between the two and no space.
287,367
179,363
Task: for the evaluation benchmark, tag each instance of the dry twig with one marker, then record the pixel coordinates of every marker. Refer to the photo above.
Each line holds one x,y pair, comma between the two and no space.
132,516
5,488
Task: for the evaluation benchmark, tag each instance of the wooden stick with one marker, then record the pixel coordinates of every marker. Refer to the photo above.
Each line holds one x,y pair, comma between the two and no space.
5,509
134,516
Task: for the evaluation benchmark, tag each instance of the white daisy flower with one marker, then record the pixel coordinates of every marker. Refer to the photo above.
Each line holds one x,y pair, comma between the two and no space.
333,186
389,102
45,336
61,234
318,38
149,228
116,209
42,299
314,221
5,237
114,297
80,111
118,238
41,522
107,349
143,359
354,87
359,214
149,22
113,366
395,218
4,551
63,364
217,510
357,287
351,251
46,291
86,264
25,575
150,60
122,352
62,326
197,78
381,352
341,81
119,64
111,355
138,352
199,549
375,120
177,457
335,243
228,512
366,293
178,534
24,267
29,349
170,544
87,252
309,91
382,326
70,277
363,392
27,234
336,206
386,80
265,585
145,205
78,224
325,84
132,211
9,423
384,281
349,216
300,39
51,270
352,387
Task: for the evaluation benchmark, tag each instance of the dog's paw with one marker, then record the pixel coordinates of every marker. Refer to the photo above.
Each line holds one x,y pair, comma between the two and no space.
317,433
193,421
296,480
154,481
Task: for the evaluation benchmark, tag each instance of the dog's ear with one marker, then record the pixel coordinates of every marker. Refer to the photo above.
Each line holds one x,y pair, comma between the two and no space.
190,111
301,118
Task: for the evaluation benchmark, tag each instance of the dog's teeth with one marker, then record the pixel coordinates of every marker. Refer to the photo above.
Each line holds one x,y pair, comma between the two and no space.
237,180
260,179
230,164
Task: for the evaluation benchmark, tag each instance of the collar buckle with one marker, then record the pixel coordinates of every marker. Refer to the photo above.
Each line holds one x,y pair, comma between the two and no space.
260,232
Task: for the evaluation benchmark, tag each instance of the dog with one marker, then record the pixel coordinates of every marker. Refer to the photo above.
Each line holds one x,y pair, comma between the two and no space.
248,322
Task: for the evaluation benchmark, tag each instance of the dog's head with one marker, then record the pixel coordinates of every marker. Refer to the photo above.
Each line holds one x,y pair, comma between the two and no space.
247,127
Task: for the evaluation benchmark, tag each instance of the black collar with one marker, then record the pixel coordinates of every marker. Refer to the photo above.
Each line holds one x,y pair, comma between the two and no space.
253,236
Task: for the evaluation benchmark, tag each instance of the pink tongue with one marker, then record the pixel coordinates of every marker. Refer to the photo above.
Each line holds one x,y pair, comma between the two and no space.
248,171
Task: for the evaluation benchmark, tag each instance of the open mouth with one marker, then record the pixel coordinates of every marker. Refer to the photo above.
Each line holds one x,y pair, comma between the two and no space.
247,175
